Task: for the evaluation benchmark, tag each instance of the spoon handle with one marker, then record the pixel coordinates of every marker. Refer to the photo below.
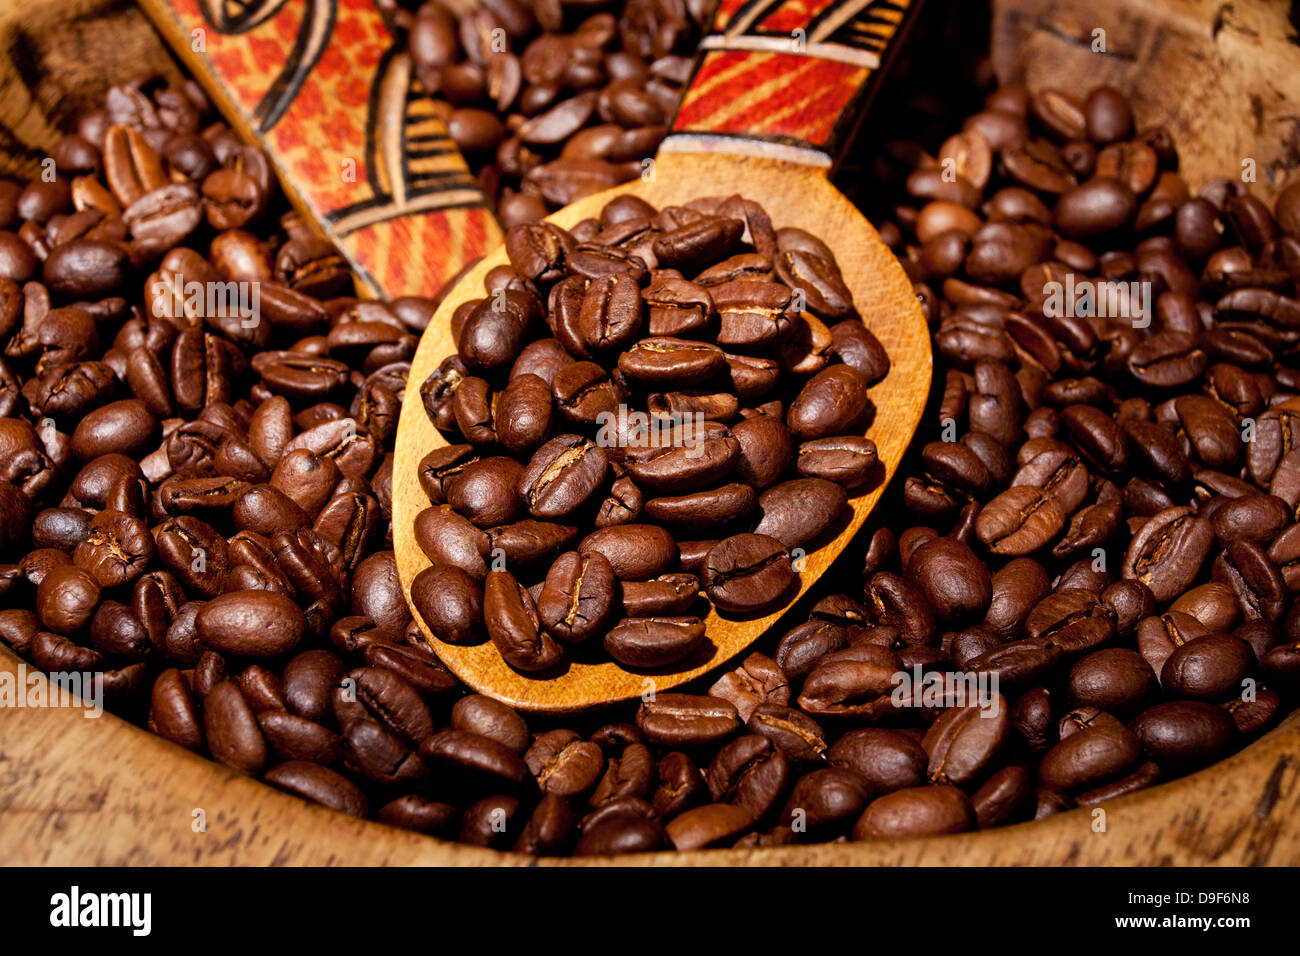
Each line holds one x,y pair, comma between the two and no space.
788,79
327,91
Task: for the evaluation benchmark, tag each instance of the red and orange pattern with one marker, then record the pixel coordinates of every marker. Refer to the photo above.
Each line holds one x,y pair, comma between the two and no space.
331,152
768,95
793,72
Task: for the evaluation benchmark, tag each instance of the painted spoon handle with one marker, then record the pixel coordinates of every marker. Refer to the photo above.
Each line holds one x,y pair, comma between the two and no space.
324,88
788,79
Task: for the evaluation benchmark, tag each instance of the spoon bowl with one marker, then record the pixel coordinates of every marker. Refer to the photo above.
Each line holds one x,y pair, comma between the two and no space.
793,195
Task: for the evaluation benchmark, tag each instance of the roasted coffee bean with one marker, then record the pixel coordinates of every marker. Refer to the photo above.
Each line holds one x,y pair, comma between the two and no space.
1090,757
964,741
512,622
578,597
1185,735
797,512
251,624
747,572
832,403
666,595
894,602
685,720
486,490
696,460
471,758
751,773
636,552
1020,520
450,602
854,684
955,583
916,811
648,642
1167,553
562,476
759,680
710,825
489,718
1209,668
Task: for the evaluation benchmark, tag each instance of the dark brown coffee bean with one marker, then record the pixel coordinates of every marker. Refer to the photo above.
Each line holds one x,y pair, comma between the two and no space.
512,623
798,512
1020,520
1209,668
831,403
450,602
685,720
636,552
577,599
562,476
1167,553
1090,757
747,572
759,680
231,730
916,811
1185,735
648,642
469,757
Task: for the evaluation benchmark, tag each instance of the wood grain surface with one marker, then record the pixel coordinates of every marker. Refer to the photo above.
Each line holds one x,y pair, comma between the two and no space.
82,792
793,196
1223,77
57,59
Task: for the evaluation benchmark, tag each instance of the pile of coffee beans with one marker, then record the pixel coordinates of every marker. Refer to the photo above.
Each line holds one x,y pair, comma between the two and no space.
598,437
553,100
1101,511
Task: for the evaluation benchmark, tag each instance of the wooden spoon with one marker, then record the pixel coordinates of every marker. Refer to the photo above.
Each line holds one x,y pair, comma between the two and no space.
764,122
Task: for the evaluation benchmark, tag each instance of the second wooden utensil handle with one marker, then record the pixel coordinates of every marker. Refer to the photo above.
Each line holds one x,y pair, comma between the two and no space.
322,86
788,77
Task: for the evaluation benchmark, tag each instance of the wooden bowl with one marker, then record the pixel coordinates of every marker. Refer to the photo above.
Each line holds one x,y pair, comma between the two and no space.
76,791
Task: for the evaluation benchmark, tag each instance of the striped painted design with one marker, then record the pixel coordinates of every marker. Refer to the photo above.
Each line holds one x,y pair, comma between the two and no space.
787,72
789,99
321,85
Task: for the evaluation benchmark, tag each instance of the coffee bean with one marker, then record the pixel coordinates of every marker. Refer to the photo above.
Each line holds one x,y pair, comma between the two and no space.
684,720
1208,668
636,552
747,573
648,642
562,476
512,623
578,597
1090,757
798,512
450,602
916,811
1020,520
231,730
1185,735
1168,551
